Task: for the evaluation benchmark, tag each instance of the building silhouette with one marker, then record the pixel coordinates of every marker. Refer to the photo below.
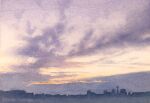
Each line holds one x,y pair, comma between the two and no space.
117,89
107,93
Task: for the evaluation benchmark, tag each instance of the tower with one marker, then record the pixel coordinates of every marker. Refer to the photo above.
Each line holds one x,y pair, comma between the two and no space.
117,89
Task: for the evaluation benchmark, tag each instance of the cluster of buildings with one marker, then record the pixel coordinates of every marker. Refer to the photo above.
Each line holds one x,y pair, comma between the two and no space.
106,93
118,92
114,92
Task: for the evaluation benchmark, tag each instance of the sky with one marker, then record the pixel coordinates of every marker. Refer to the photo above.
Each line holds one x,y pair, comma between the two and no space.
71,46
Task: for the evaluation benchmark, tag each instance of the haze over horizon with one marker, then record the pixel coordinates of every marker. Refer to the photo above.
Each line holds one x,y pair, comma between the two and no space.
71,46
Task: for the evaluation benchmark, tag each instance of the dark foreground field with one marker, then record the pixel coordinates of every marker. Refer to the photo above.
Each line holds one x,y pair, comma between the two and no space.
79,100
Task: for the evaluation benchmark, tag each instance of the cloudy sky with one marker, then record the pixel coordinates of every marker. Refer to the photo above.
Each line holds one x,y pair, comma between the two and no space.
70,46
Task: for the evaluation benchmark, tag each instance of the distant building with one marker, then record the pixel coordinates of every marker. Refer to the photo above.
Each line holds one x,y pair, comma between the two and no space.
117,89
123,92
113,91
107,93
90,93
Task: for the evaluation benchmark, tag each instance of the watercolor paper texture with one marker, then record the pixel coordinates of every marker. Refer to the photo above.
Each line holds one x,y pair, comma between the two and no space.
68,47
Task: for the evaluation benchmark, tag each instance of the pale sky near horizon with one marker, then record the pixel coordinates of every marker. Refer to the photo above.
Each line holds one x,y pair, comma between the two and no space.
59,42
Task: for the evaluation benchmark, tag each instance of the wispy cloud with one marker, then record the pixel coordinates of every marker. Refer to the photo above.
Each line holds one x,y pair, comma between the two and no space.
77,38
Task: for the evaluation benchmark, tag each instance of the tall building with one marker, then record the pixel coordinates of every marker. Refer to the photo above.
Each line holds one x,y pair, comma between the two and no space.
117,89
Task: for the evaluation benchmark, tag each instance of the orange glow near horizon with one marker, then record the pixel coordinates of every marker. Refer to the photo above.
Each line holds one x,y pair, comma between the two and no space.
82,74
130,62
